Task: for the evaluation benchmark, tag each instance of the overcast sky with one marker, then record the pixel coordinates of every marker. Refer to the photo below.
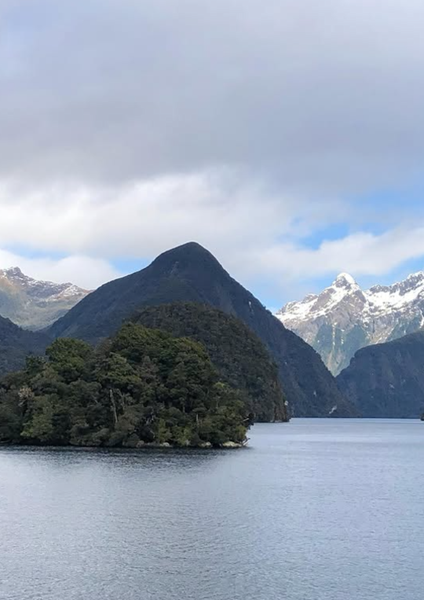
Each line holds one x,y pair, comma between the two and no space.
286,136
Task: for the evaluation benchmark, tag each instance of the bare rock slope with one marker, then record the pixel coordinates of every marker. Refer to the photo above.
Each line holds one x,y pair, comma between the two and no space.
35,304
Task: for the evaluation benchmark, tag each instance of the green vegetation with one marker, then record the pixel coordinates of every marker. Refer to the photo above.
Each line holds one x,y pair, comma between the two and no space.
142,386
240,357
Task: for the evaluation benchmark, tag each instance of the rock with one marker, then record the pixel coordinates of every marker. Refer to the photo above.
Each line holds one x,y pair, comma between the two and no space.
230,444
205,445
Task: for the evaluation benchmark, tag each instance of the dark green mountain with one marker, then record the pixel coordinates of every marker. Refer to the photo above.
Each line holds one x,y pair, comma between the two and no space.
16,344
387,380
190,273
240,357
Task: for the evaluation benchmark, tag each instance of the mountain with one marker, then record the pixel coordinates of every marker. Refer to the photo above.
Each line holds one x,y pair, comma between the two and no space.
344,318
34,304
16,344
387,380
239,356
190,273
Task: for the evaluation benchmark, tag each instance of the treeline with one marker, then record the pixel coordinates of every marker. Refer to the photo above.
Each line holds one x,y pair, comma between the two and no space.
142,386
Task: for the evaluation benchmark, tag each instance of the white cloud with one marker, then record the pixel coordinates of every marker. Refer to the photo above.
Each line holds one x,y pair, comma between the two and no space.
142,219
360,254
255,231
84,271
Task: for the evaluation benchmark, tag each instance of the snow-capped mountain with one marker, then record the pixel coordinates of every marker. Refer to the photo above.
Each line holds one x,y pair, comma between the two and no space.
344,318
35,304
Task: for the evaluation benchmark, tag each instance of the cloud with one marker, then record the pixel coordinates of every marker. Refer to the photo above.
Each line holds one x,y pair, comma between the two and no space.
360,253
84,271
324,96
130,127
258,234
220,209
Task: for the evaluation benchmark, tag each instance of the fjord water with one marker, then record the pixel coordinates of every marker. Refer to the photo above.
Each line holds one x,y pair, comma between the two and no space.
312,510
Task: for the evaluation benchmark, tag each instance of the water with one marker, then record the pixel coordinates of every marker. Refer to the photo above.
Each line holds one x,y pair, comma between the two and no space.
313,510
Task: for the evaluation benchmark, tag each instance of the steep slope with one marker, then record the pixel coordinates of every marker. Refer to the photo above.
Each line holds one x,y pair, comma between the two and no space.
34,304
16,344
344,318
190,273
238,354
387,380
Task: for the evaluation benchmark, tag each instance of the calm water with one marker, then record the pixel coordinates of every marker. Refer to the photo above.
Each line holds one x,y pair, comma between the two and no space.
313,510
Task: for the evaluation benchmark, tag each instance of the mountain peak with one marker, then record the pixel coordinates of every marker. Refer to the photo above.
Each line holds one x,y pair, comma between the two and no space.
344,279
345,318
416,277
32,303
187,256
12,272
187,249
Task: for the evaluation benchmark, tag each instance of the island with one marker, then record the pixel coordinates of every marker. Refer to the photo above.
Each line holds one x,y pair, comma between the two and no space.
142,387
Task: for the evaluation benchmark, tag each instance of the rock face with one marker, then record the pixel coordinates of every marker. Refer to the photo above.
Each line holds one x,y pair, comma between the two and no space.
190,273
387,380
344,318
34,304
16,344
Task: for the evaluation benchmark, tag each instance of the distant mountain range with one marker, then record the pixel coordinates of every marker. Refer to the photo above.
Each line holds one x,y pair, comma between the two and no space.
344,318
190,273
35,304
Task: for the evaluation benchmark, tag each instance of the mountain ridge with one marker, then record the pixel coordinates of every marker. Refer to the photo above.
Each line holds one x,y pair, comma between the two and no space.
343,318
35,304
387,380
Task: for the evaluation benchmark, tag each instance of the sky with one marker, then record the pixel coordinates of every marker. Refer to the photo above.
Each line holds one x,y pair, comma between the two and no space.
286,137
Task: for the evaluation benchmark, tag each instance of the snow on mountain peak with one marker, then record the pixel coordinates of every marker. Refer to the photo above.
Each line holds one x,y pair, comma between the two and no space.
344,318
345,278
11,272
32,303
46,291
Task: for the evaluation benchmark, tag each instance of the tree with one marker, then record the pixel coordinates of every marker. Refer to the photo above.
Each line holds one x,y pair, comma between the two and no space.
143,386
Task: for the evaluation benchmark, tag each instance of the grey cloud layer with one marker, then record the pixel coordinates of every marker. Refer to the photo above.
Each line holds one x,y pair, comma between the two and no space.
324,96
246,125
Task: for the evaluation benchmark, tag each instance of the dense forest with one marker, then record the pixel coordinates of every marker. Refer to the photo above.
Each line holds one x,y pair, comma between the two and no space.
239,355
142,386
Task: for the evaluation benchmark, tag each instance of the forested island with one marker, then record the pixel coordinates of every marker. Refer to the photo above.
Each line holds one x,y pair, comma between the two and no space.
140,387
